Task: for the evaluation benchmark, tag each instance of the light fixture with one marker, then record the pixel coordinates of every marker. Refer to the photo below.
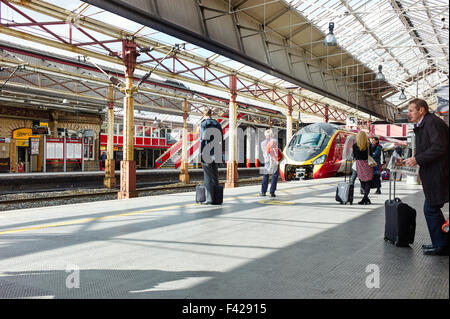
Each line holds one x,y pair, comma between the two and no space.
403,95
330,39
380,76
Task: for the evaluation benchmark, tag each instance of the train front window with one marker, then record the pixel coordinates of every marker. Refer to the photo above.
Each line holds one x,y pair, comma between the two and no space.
309,140
307,145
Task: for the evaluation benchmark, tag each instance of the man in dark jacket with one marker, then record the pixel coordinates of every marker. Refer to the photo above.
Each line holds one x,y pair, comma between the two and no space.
432,155
211,150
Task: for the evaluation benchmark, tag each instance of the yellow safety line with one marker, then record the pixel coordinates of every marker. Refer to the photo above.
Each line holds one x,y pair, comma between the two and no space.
83,220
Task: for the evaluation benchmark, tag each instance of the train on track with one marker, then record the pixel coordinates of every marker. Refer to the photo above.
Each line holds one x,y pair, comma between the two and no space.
324,150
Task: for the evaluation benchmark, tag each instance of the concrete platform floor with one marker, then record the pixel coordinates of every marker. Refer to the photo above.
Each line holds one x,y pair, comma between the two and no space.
301,244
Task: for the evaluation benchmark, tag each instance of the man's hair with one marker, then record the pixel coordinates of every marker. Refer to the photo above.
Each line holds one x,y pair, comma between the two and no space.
207,112
376,138
419,103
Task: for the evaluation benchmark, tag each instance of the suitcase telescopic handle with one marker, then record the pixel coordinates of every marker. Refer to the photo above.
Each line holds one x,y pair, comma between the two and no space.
391,175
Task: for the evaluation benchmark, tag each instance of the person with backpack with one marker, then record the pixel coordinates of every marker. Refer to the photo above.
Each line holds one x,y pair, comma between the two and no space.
211,153
272,157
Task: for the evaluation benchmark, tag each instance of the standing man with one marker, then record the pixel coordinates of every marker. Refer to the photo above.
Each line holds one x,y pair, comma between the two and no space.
269,149
376,151
211,150
432,157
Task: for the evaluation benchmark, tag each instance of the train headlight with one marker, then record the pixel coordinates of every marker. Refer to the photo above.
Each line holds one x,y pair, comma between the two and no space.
320,160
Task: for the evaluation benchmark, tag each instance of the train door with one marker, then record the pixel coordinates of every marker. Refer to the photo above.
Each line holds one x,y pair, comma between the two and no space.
338,151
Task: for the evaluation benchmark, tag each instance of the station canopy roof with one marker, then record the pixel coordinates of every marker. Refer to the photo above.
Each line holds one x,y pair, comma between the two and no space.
408,38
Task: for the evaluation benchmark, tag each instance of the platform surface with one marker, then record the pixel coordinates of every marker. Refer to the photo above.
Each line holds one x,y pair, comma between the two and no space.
301,244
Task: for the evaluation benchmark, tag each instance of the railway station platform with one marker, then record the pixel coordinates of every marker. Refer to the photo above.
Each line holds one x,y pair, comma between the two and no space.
301,244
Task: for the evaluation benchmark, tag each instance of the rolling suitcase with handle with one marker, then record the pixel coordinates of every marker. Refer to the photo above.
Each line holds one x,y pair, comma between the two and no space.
200,195
400,225
345,190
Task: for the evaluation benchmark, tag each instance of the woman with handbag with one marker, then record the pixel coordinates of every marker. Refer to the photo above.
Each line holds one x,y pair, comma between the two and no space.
362,154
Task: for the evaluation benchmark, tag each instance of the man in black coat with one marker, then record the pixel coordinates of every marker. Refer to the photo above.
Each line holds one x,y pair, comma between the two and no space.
432,155
211,152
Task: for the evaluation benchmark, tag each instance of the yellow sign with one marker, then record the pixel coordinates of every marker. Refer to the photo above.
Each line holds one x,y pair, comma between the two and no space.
23,143
102,148
43,124
23,134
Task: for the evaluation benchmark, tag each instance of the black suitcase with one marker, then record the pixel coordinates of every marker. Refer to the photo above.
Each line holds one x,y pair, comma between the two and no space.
400,225
200,195
345,190
217,195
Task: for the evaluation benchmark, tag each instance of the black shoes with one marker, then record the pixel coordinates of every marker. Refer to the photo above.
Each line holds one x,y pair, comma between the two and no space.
365,202
436,251
427,246
378,191
264,194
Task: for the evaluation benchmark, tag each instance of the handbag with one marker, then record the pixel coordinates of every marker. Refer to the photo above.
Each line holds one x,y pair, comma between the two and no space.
370,159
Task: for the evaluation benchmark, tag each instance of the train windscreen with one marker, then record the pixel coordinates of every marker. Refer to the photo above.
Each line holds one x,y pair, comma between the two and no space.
310,141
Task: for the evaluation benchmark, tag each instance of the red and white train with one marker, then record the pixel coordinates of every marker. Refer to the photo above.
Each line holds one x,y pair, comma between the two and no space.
321,149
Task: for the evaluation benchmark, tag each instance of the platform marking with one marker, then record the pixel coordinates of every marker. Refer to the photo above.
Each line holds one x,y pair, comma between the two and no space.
84,220
275,202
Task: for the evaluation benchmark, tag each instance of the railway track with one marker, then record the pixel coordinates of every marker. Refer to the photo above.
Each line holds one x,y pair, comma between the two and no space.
102,194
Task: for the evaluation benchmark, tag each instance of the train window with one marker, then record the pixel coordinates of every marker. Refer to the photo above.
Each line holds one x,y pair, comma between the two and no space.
162,133
121,129
139,131
310,139
88,151
155,132
148,131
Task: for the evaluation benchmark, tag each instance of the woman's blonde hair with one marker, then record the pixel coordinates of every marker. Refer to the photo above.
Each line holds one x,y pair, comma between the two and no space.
362,141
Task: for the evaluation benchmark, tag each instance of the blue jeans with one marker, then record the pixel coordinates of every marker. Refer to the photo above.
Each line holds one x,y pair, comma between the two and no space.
265,181
435,219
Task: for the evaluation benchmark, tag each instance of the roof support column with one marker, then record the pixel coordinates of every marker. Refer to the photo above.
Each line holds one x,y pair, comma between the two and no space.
184,174
232,173
110,175
248,152
289,119
257,147
327,118
128,165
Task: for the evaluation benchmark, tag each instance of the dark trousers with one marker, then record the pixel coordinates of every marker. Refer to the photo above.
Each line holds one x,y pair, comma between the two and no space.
210,179
353,178
273,183
366,188
435,219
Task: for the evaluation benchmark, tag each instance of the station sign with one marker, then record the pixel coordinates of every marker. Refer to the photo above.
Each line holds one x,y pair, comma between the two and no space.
41,130
24,134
